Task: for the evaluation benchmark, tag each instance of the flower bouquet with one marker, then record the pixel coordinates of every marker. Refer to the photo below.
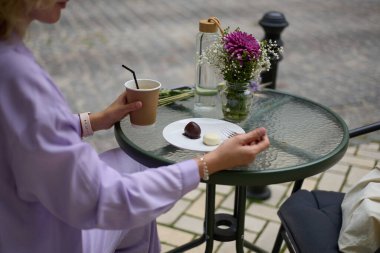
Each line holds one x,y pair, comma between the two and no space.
240,59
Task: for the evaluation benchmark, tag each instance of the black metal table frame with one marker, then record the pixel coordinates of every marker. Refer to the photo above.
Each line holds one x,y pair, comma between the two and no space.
235,222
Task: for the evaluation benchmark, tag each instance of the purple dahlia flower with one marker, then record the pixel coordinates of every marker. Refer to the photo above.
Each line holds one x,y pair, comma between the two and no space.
241,46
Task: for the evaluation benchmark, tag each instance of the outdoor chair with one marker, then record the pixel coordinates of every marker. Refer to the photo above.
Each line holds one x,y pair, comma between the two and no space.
311,220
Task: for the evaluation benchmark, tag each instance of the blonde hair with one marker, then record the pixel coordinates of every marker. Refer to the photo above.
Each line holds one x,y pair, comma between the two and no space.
13,15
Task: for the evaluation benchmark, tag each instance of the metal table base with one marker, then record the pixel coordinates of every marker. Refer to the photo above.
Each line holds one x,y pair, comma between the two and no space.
306,139
233,225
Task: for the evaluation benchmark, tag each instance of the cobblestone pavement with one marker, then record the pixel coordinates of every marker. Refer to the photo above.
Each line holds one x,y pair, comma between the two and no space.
331,56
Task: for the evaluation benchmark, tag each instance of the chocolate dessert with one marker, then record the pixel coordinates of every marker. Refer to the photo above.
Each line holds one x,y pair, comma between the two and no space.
192,130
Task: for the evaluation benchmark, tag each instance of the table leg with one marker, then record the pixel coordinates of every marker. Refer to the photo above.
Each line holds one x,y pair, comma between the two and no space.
239,214
210,217
208,235
236,221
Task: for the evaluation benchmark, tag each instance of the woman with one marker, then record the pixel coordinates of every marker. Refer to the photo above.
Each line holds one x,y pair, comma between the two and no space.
56,193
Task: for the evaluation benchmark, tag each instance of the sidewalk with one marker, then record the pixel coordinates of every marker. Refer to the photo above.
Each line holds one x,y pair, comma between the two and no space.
185,221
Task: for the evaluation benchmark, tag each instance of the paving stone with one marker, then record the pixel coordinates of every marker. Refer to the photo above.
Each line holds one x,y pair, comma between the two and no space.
331,182
362,153
309,184
224,189
228,202
316,176
254,224
173,236
362,162
191,224
268,236
370,146
351,150
197,208
277,193
174,213
339,168
222,210
202,186
346,188
229,247
192,195
263,211
355,174
166,248
249,236
201,248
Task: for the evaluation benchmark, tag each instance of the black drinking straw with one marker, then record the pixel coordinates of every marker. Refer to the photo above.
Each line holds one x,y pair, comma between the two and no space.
134,75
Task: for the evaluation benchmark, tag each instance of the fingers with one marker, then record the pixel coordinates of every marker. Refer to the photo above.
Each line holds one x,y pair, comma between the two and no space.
253,136
132,106
242,149
261,145
254,142
129,107
125,109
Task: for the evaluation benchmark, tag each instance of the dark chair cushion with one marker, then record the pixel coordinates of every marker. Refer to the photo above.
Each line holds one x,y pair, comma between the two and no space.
313,220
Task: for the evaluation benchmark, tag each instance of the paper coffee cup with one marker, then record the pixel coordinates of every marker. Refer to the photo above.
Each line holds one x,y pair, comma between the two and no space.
147,93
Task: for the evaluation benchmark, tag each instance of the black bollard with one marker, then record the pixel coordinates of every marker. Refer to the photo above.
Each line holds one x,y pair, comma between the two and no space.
273,23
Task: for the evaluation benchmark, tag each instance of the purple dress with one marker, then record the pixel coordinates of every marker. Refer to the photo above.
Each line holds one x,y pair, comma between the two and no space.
56,193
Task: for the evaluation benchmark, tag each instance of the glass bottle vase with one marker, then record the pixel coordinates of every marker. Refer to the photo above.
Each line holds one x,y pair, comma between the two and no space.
236,101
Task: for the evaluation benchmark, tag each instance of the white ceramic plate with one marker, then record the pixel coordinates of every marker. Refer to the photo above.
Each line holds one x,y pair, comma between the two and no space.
173,133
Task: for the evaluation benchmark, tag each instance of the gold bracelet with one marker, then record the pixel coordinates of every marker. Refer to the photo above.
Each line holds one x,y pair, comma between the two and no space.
205,169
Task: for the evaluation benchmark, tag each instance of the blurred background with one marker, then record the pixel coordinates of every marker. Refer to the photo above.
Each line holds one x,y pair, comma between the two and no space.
331,49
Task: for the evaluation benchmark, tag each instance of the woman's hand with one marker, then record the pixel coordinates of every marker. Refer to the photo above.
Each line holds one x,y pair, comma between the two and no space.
237,151
113,113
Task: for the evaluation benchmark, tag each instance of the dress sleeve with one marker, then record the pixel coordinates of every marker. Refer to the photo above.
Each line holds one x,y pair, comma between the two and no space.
53,167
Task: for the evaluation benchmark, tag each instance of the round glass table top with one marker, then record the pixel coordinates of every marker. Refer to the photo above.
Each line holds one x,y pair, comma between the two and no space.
306,138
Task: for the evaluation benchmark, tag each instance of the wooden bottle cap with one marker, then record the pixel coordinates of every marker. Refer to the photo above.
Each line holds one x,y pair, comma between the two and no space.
207,26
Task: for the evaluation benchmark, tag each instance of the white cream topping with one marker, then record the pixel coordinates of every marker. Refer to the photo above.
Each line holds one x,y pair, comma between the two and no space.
211,139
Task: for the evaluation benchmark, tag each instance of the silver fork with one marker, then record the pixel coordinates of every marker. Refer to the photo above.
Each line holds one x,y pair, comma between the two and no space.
228,133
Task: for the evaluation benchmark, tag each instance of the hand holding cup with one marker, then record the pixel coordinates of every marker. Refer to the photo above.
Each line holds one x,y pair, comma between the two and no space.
148,94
